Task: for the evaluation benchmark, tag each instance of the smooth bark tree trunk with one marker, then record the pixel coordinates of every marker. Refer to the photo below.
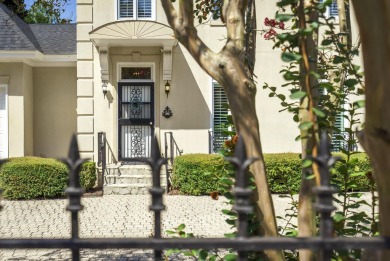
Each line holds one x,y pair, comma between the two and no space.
373,18
232,67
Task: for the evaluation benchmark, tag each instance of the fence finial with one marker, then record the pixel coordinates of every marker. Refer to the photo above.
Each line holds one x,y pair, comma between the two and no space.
74,153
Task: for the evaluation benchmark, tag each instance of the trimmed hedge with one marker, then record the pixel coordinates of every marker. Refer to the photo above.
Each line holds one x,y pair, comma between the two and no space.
198,174
283,171
33,177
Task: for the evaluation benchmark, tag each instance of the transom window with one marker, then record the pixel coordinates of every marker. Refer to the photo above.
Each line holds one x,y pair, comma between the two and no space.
136,73
136,9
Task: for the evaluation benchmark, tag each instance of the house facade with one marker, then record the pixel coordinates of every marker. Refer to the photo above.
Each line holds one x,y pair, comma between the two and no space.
120,71
127,48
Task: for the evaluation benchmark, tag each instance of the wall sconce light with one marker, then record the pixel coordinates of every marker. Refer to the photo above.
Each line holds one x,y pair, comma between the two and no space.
167,88
167,113
104,88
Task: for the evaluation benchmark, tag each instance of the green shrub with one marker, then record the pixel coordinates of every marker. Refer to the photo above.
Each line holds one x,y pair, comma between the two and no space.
199,174
283,172
88,175
33,177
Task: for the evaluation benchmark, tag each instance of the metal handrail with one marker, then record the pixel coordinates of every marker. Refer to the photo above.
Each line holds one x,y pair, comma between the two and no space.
174,150
105,154
102,160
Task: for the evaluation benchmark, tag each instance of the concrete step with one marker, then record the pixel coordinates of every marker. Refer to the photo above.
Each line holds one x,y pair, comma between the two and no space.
126,189
134,179
116,169
130,179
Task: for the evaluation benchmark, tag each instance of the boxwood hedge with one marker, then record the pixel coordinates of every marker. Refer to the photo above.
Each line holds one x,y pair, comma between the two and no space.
33,177
197,174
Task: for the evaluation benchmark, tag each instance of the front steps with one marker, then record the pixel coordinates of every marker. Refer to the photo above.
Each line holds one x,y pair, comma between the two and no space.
130,179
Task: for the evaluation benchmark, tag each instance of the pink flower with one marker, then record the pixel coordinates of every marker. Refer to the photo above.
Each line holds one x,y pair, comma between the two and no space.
266,21
281,25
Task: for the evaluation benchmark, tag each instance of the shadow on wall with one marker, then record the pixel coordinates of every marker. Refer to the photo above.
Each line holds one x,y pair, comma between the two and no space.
189,107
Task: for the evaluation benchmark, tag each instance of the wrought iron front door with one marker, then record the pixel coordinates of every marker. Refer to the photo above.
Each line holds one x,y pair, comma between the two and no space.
136,119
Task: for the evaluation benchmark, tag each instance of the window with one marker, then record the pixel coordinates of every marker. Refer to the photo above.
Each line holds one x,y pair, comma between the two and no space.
332,10
136,9
220,113
339,135
136,73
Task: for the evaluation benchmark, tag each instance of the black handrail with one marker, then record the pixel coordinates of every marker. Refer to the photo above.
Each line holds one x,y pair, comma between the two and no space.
102,160
105,153
174,151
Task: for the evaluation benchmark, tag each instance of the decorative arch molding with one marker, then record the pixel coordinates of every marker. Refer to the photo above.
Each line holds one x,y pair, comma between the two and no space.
134,33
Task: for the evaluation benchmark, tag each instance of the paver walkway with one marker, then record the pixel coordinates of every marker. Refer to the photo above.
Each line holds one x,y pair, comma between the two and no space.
107,216
111,216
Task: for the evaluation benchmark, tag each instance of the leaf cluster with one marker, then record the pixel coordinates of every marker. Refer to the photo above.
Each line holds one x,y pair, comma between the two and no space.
33,177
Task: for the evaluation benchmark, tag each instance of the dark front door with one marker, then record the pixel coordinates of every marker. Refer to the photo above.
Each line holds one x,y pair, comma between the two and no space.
136,119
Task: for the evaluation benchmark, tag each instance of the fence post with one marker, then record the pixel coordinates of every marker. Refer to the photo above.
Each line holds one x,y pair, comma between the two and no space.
242,192
156,162
324,192
74,193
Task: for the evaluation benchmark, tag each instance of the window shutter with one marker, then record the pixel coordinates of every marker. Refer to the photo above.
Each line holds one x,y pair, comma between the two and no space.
144,9
337,142
220,113
333,11
126,8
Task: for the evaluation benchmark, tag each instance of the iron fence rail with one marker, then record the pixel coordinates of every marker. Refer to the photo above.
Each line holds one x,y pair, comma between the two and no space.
325,243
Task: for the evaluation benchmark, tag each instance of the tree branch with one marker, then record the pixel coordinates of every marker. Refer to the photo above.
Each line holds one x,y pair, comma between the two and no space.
186,33
235,25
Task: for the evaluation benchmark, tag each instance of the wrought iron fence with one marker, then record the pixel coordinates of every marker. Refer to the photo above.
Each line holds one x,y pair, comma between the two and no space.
324,243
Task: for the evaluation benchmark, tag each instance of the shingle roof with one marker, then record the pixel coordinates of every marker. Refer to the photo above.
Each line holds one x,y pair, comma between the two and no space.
15,34
56,38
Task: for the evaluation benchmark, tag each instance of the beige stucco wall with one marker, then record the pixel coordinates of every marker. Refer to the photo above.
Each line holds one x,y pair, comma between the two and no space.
28,109
191,92
190,106
16,111
54,110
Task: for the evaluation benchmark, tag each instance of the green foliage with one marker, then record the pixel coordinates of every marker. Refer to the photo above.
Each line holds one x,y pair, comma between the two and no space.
284,172
47,12
206,8
197,254
199,174
88,175
33,177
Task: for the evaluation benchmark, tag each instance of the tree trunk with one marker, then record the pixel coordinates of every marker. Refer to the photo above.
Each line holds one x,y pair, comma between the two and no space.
232,70
373,18
242,103
308,49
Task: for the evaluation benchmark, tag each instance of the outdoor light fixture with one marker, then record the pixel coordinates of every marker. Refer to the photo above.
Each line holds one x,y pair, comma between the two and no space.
167,88
104,87
167,113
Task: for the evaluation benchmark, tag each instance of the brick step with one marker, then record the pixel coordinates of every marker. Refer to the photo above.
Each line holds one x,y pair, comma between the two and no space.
126,189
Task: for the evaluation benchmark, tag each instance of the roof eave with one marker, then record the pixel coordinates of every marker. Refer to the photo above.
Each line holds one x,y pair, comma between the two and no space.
38,59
